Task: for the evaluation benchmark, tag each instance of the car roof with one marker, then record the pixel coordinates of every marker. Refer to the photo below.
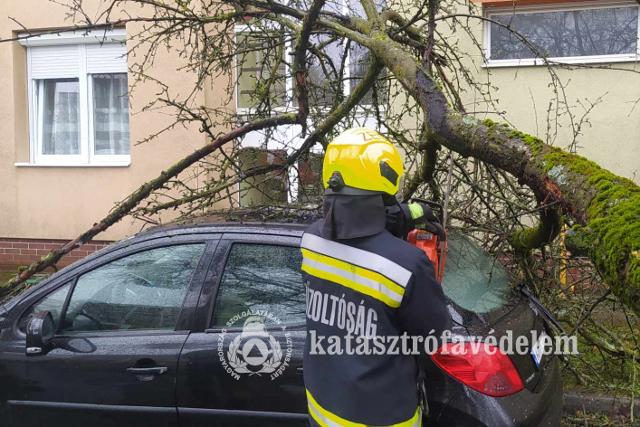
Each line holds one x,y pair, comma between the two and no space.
206,227
290,229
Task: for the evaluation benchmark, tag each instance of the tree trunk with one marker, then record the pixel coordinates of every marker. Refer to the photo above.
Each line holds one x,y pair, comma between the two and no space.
605,208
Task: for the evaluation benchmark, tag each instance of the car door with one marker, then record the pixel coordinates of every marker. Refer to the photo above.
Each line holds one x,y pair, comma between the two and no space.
13,358
119,336
243,367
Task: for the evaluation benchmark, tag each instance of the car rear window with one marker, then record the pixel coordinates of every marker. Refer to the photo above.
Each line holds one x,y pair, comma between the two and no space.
474,279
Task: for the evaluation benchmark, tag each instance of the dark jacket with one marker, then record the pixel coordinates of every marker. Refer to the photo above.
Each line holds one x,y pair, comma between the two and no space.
370,286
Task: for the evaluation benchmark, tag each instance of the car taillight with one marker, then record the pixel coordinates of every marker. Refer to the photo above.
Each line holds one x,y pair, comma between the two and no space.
481,367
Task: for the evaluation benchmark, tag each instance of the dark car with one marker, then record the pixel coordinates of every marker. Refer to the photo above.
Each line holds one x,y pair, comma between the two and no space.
204,325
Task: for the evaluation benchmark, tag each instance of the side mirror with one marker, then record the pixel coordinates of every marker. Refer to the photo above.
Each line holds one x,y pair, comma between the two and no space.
40,331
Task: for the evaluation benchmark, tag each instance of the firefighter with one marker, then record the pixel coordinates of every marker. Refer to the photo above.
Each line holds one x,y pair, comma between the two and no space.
364,284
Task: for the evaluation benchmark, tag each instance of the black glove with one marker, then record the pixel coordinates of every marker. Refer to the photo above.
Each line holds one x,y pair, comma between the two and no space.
404,217
399,221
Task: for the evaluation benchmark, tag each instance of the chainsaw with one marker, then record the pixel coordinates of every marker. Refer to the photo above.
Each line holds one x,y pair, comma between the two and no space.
429,234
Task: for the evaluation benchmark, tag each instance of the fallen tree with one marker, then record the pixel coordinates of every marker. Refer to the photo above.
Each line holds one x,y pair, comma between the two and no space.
602,208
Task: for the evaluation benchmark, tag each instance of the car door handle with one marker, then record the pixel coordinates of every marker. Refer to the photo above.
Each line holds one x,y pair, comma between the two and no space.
156,370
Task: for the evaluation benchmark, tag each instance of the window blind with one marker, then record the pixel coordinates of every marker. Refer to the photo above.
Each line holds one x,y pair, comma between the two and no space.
50,62
106,58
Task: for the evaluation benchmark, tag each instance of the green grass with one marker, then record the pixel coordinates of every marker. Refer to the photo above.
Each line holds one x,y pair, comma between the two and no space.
5,276
602,372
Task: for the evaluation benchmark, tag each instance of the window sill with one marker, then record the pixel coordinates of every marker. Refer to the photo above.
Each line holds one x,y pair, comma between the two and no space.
73,165
572,60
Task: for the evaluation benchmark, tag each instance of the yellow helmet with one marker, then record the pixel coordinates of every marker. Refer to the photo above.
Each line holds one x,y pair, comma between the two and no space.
362,159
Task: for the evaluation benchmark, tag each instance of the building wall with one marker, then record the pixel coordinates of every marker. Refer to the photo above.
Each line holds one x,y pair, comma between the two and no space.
61,202
612,136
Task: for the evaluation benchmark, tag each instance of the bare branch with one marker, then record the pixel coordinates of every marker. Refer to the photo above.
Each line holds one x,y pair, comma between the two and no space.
124,207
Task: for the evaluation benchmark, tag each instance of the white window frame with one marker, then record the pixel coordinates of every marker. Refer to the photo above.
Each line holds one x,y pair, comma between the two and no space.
80,40
290,133
490,11
288,52
248,111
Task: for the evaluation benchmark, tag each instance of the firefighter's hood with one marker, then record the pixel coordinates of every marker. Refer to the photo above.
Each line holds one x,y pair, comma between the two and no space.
350,217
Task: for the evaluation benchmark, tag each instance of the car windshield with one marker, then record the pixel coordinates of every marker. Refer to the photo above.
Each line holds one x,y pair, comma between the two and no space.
474,280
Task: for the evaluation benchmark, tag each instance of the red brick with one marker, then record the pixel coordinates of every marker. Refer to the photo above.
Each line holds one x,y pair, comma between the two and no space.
6,259
23,259
25,251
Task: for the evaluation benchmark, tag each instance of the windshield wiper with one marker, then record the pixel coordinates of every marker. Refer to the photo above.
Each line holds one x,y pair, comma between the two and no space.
527,292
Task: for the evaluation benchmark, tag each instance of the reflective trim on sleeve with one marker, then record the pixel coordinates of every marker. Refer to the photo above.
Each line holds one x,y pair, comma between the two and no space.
365,259
329,419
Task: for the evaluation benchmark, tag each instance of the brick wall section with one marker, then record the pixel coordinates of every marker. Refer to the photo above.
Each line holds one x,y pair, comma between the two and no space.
16,252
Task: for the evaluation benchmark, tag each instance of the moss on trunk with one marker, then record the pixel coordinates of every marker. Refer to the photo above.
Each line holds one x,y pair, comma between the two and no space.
607,209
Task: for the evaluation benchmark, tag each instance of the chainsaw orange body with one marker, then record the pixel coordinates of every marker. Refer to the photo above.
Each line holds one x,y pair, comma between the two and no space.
433,247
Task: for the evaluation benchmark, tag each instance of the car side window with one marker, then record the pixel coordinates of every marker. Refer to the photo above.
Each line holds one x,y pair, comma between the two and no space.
261,277
140,291
52,302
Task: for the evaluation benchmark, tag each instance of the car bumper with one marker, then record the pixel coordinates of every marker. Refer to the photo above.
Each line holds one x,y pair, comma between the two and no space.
453,404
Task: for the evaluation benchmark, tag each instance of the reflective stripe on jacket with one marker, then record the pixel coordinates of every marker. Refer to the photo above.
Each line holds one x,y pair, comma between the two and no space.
326,418
362,271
